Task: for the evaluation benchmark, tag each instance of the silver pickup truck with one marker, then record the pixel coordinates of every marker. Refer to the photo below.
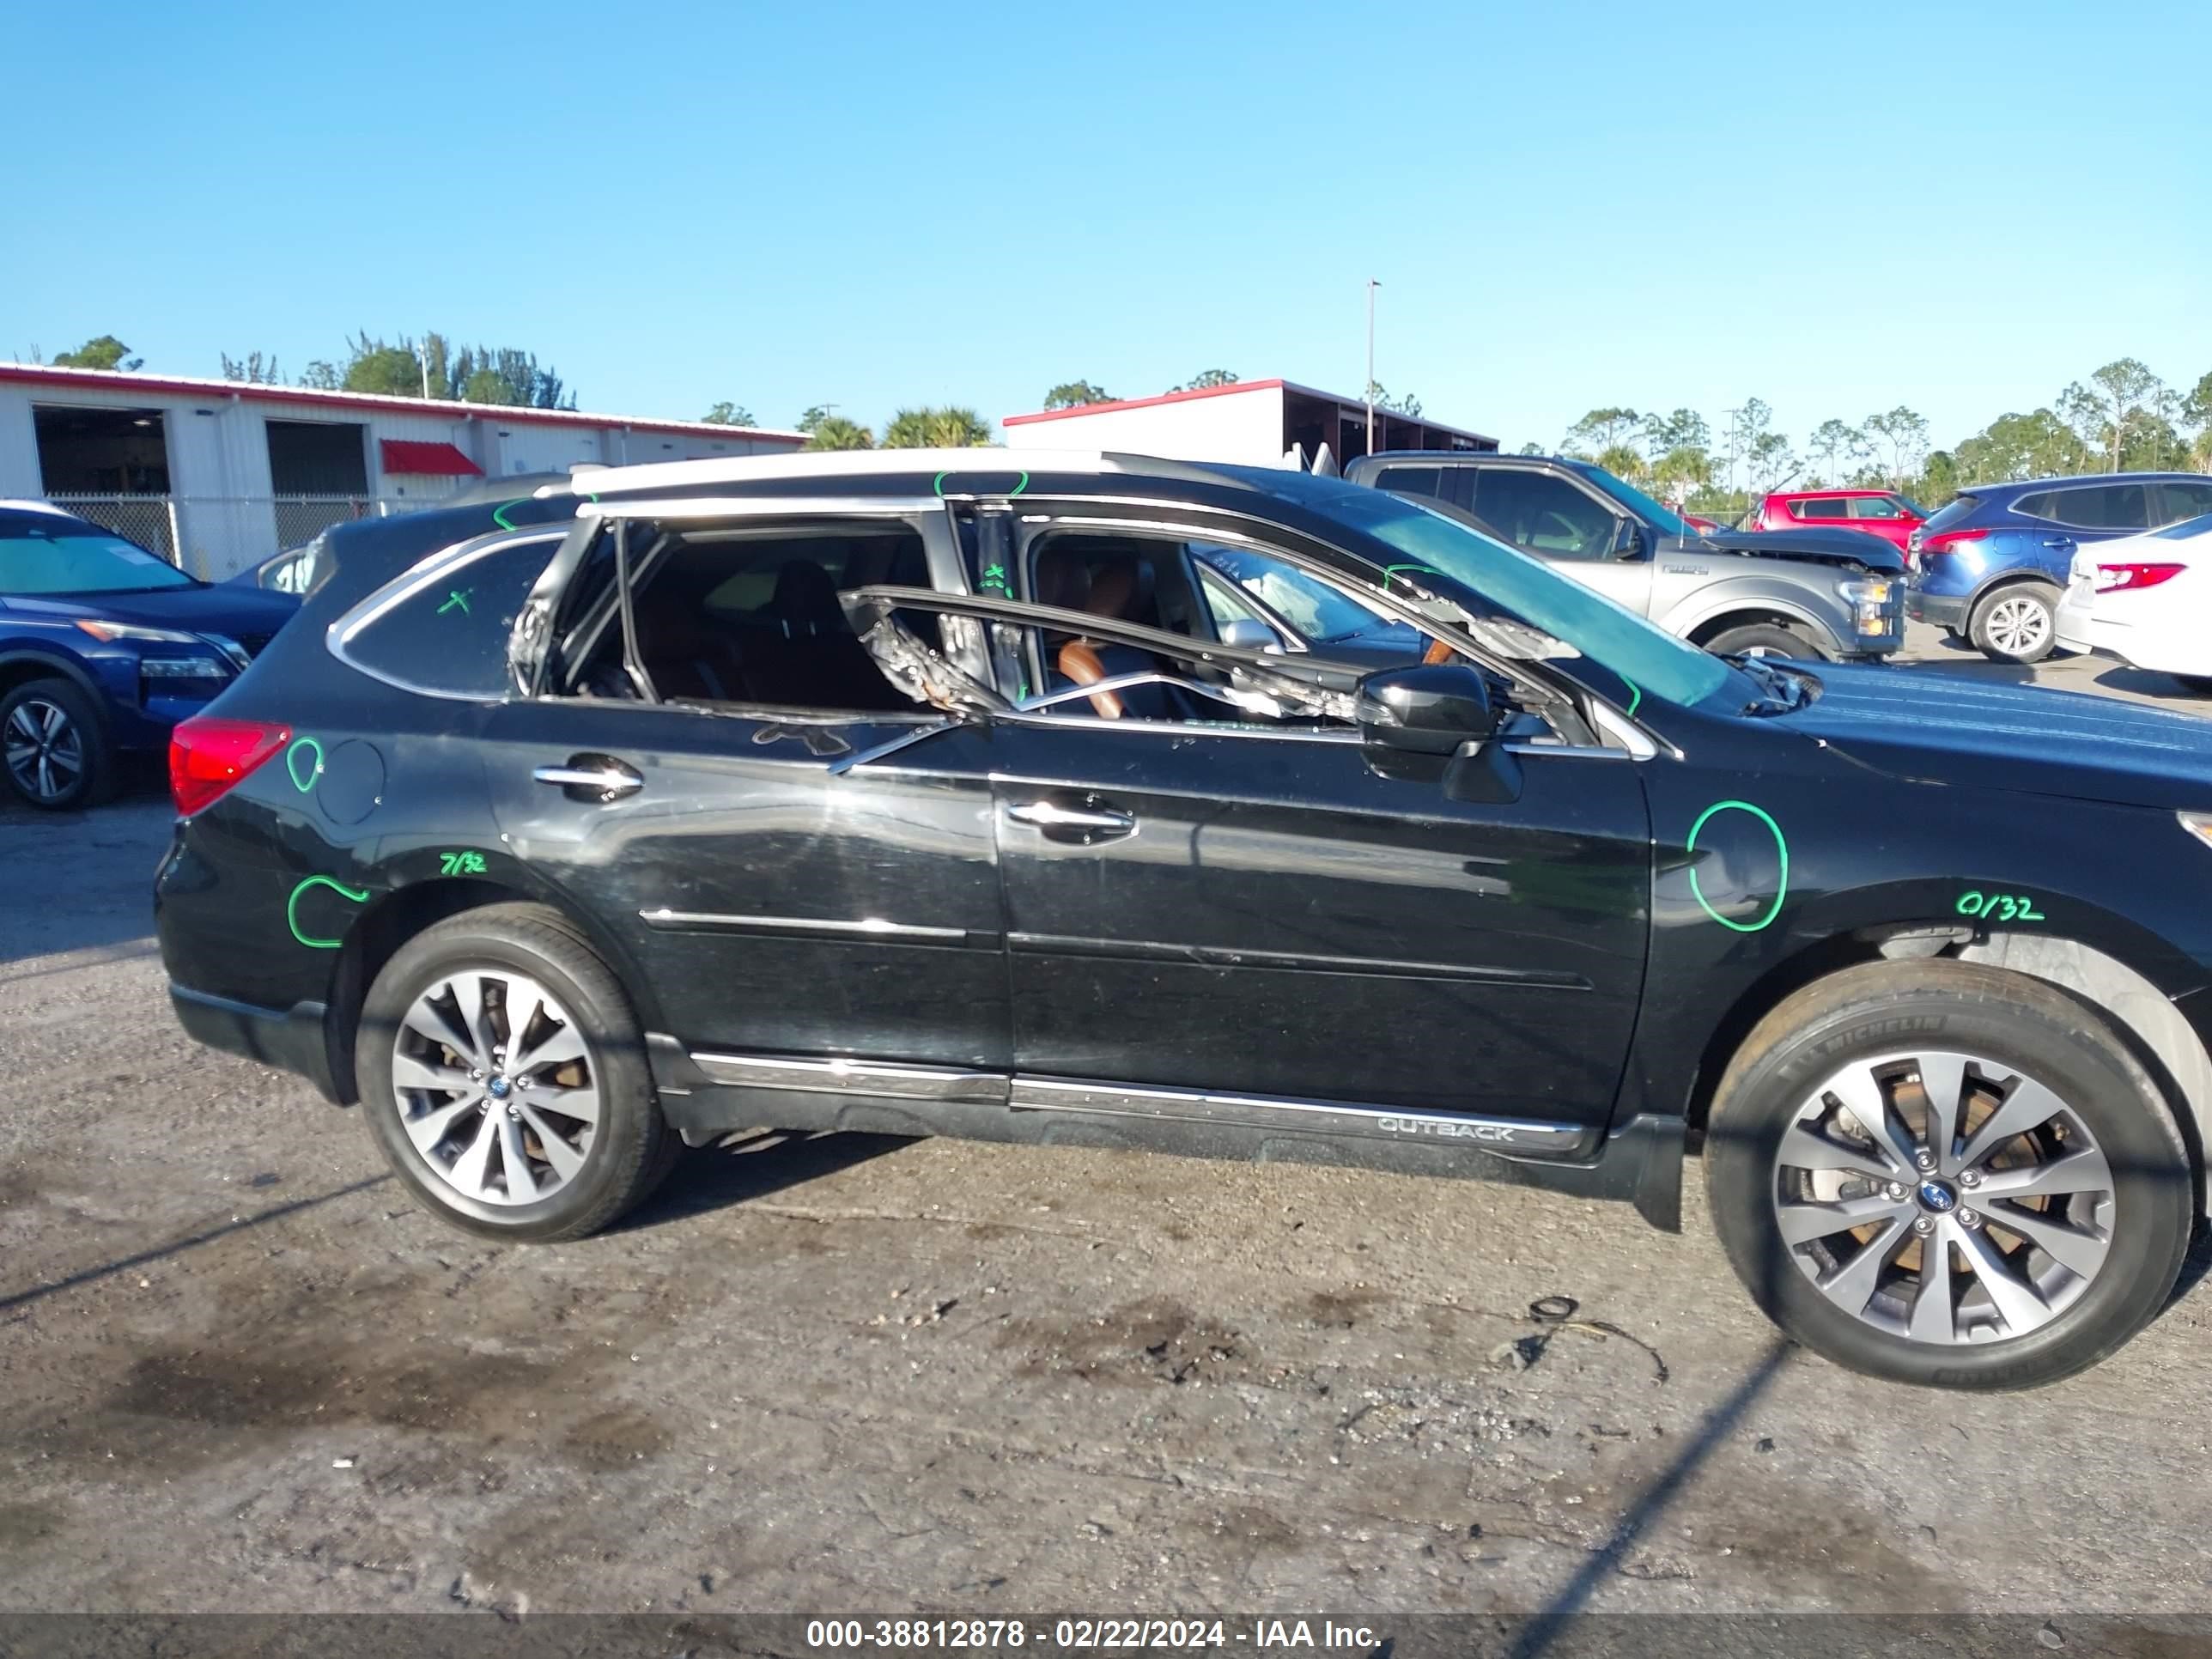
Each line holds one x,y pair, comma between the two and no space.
1837,594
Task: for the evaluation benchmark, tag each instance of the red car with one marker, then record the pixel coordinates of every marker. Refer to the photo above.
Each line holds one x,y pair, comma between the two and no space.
1882,513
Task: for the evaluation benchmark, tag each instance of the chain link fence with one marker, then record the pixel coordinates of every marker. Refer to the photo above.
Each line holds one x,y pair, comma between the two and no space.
212,537
148,520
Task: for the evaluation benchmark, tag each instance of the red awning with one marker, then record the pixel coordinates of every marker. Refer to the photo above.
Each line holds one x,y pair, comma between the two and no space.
427,459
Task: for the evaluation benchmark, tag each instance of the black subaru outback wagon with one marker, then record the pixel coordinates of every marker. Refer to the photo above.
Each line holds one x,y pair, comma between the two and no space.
926,794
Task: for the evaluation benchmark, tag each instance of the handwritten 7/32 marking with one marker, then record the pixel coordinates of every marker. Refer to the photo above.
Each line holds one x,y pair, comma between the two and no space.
2005,907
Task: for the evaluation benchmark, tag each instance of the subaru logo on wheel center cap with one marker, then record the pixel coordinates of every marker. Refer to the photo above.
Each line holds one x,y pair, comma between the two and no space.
498,1085
1936,1195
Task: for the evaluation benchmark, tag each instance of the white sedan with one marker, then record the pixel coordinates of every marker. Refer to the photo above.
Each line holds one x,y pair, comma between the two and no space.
2146,600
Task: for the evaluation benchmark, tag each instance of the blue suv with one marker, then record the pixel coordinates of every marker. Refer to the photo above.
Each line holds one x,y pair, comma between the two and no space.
103,648
1990,565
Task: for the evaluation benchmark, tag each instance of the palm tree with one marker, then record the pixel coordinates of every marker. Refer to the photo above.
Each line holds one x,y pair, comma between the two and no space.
835,432
949,428
1622,460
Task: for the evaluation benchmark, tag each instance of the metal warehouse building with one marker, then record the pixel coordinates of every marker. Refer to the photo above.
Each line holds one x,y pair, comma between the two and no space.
217,475
1255,422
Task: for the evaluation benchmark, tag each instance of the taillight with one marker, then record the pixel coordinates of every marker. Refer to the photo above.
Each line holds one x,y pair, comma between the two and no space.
1944,540
208,755
2110,578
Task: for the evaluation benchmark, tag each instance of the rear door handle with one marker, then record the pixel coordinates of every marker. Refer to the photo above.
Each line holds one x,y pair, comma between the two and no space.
590,777
2058,542
1084,825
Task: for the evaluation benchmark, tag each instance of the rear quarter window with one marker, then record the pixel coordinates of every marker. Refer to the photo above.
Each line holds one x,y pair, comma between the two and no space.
1957,510
444,627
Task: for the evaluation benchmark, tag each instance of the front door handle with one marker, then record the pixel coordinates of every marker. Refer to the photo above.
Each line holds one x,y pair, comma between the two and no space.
1084,825
2058,542
600,778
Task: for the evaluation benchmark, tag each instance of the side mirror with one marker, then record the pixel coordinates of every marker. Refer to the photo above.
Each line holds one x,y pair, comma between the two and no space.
1627,539
1248,634
1432,708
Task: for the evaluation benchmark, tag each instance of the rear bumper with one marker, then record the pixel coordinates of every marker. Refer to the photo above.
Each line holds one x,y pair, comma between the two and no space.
290,1038
1943,610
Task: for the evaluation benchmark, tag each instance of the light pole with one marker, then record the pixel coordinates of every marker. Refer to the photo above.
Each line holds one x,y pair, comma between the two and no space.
1371,286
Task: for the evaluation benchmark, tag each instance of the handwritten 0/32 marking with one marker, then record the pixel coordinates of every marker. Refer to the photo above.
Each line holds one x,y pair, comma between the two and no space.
460,864
2005,907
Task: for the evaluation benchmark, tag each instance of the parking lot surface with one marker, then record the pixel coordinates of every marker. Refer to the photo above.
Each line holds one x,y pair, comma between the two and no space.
844,1374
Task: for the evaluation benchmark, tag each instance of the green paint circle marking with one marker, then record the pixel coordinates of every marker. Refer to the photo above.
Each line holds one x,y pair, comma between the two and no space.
1635,700
937,484
292,763
1781,846
499,516
292,909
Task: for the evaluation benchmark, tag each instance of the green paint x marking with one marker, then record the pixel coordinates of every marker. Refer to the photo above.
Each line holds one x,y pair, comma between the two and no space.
292,908
458,595
994,577
1781,847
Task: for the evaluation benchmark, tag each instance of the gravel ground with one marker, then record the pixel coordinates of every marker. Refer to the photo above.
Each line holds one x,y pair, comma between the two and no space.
843,1374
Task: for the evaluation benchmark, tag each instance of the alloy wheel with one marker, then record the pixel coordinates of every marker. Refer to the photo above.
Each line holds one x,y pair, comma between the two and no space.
43,748
1943,1197
2020,626
498,1091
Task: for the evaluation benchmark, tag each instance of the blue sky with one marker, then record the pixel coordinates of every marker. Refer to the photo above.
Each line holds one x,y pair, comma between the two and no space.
1960,208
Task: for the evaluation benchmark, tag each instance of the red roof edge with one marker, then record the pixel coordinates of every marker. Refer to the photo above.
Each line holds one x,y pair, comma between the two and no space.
110,380
1145,403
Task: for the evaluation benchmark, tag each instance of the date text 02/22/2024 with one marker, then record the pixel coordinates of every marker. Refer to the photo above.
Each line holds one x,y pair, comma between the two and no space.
1078,1635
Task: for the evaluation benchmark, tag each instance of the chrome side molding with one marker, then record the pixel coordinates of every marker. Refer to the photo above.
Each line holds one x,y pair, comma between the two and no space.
853,1077
1038,1094
1021,1093
665,919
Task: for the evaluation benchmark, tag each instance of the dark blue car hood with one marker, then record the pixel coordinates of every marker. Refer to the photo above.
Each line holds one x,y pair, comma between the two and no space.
1946,728
220,610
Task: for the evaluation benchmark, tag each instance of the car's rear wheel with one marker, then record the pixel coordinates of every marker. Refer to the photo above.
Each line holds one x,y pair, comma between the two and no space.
503,1075
2015,624
1946,1174
1763,640
52,747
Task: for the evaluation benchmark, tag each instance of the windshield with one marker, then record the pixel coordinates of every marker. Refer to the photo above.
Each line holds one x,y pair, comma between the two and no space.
78,559
1649,659
1658,513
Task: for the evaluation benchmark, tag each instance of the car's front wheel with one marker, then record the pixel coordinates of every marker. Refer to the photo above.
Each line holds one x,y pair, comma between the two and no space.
52,747
503,1075
1763,640
2015,624
1946,1174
